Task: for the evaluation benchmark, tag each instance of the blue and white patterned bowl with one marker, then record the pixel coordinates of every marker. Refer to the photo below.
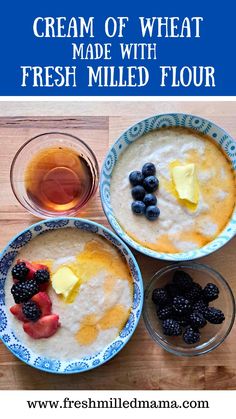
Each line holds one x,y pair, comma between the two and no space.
60,366
227,144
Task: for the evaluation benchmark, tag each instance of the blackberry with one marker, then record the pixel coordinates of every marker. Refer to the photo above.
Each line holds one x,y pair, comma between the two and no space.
164,313
183,321
23,291
214,315
182,280
200,306
172,290
31,311
20,271
181,305
191,335
171,327
197,320
195,293
159,296
210,292
42,276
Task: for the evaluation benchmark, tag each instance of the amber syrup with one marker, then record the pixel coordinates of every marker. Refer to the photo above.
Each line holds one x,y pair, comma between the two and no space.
58,179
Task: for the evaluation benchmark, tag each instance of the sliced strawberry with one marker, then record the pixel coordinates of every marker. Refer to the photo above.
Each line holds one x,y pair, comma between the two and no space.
44,302
42,328
16,310
43,287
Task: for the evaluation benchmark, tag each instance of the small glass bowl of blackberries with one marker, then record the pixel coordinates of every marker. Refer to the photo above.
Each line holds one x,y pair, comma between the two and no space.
144,184
189,308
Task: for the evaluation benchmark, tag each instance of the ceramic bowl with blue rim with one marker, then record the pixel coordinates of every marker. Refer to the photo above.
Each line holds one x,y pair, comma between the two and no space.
9,337
200,125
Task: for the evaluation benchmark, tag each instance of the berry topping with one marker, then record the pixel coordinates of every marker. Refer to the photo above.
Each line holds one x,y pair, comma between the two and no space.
182,320
214,315
182,280
136,178
197,320
195,293
138,192
210,292
43,328
171,327
42,276
151,183
32,267
172,290
165,313
191,336
138,207
159,296
44,302
31,311
200,306
148,169
23,291
149,199
16,310
181,305
20,271
152,213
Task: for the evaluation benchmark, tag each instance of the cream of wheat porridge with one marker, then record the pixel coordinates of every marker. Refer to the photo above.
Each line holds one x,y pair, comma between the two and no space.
181,226
99,305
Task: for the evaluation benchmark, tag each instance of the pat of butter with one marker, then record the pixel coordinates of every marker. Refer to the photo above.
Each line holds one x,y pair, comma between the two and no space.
63,281
186,183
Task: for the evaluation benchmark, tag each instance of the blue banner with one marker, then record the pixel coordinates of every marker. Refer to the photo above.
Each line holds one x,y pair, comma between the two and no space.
147,48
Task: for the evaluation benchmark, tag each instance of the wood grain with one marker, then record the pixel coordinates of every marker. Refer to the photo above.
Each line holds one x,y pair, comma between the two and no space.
141,364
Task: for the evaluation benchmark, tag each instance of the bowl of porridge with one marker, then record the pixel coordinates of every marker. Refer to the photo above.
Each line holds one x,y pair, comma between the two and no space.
71,295
168,187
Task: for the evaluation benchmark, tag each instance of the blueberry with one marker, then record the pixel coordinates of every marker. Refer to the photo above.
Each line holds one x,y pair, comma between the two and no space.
136,178
149,199
138,192
138,207
152,212
151,183
148,169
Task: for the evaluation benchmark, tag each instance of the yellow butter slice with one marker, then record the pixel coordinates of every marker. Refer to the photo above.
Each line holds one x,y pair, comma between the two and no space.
186,182
64,280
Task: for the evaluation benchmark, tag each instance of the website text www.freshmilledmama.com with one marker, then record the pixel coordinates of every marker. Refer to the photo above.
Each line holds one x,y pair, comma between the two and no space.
117,403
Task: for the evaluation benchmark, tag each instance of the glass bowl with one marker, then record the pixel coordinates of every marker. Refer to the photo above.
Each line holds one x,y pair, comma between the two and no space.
212,335
42,142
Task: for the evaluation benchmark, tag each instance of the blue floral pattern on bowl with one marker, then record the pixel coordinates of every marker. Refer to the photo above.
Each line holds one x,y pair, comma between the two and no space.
197,123
21,240
60,366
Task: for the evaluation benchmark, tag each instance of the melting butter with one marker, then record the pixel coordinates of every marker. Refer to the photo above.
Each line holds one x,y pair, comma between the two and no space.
186,182
64,280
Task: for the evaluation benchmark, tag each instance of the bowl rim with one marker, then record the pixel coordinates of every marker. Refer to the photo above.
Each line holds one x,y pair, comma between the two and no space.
171,257
137,269
196,266
72,212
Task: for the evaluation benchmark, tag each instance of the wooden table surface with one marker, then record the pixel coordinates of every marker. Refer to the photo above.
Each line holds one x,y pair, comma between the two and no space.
142,364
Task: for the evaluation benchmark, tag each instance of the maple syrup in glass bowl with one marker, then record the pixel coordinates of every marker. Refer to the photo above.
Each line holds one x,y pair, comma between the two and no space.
54,174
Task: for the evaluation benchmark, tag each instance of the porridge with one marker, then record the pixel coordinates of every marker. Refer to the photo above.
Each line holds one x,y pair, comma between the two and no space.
195,190
90,290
